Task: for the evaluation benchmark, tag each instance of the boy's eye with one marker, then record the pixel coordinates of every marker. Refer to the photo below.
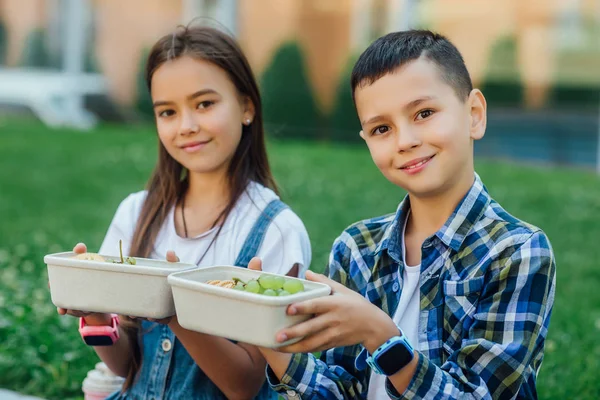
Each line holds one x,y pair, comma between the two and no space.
424,114
205,104
166,113
380,130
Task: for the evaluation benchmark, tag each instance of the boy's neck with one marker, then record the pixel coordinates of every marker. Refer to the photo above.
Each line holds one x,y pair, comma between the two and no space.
429,214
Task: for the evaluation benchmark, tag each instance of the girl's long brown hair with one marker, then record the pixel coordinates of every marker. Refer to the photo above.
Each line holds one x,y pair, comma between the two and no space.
165,186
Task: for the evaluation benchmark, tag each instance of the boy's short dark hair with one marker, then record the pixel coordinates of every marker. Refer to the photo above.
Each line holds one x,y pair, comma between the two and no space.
395,49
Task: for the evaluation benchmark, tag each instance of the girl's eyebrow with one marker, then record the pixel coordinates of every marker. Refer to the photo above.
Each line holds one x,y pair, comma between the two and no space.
192,96
201,93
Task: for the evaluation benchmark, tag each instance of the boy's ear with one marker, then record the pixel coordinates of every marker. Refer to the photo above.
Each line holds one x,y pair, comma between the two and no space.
478,114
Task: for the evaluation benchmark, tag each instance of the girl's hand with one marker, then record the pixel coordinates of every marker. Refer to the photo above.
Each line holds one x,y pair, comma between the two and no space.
90,318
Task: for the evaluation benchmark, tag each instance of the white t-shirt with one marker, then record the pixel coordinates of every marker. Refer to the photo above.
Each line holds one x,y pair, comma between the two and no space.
286,241
406,317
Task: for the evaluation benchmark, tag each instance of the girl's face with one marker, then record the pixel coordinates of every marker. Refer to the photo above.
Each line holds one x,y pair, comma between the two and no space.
199,113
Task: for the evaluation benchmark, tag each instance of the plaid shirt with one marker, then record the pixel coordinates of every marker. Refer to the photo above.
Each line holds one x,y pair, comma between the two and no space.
487,288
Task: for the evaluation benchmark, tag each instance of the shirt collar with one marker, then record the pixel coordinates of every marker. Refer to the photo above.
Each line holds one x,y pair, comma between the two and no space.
452,233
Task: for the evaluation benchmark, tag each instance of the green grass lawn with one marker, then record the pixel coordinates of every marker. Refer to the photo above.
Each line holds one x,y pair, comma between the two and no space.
60,187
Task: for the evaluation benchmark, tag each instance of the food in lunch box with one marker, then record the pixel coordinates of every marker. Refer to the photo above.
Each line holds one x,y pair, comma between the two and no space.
98,257
90,257
266,285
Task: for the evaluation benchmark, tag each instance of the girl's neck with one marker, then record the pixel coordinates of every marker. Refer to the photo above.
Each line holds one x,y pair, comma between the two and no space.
429,214
207,190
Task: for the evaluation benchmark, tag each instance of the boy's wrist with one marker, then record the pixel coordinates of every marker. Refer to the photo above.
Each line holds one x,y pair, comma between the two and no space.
380,331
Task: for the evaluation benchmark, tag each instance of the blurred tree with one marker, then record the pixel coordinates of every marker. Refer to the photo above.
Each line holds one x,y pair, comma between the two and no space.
343,121
503,62
36,53
3,44
288,102
143,103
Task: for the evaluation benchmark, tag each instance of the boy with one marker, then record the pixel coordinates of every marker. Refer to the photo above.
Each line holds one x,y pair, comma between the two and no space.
451,296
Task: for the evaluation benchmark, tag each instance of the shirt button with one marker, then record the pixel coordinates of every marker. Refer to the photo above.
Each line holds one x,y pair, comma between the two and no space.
166,345
395,287
292,394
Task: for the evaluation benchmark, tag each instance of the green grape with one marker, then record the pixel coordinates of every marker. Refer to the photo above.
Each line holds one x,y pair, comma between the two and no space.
239,286
266,281
270,292
252,286
283,293
293,286
278,282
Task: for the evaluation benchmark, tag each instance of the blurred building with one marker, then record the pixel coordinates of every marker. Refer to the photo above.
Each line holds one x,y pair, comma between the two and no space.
529,56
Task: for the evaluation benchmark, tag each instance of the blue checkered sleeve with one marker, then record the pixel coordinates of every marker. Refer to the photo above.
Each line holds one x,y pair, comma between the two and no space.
327,377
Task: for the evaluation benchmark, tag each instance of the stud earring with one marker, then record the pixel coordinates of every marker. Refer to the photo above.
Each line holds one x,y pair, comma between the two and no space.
248,121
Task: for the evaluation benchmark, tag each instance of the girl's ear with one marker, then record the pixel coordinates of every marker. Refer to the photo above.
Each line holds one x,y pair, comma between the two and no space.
249,111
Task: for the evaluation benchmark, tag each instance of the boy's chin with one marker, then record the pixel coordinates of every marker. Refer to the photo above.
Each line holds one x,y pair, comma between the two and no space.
419,186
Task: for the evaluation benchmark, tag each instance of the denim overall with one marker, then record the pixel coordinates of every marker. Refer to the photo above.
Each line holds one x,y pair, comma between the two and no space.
168,371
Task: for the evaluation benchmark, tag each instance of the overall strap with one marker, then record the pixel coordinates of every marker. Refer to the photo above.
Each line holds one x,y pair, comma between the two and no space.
258,232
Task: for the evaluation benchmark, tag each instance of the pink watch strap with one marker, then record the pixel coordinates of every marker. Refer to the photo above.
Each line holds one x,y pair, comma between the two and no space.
105,335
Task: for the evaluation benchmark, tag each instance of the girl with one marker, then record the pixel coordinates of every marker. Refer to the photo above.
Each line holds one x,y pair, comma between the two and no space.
213,201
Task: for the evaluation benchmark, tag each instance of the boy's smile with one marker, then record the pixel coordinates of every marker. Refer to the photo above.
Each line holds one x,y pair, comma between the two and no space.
417,165
419,132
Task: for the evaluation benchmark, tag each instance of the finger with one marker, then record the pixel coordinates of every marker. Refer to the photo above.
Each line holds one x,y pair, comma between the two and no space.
77,313
336,287
80,248
255,264
304,329
307,345
317,306
61,311
172,257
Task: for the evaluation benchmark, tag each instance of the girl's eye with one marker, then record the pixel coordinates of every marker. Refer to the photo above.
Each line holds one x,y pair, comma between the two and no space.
205,104
424,114
166,113
380,130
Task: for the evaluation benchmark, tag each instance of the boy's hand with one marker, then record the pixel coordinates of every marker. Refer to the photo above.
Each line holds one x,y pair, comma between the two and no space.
344,318
277,361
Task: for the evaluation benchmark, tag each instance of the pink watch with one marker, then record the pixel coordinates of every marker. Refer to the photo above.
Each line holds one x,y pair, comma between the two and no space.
100,335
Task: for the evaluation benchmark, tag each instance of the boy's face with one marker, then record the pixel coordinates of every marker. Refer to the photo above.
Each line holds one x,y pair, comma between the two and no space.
419,132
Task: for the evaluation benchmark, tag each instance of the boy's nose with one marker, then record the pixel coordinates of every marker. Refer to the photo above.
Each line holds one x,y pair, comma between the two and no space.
406,140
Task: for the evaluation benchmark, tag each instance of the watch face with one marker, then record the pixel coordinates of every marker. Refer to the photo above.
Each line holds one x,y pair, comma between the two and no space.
394,358
98,340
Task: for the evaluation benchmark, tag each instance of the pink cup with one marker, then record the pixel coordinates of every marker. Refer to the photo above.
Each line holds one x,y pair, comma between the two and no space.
100,383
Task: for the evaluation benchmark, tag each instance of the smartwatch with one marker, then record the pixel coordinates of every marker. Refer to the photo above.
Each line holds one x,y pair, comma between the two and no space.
100,335
391,356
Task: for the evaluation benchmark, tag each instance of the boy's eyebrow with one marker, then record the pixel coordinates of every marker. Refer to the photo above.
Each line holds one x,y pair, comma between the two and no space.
408,106
418,101
372,120
190,97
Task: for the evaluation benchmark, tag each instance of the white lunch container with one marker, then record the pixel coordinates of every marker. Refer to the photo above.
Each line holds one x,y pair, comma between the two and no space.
234,314
139,290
